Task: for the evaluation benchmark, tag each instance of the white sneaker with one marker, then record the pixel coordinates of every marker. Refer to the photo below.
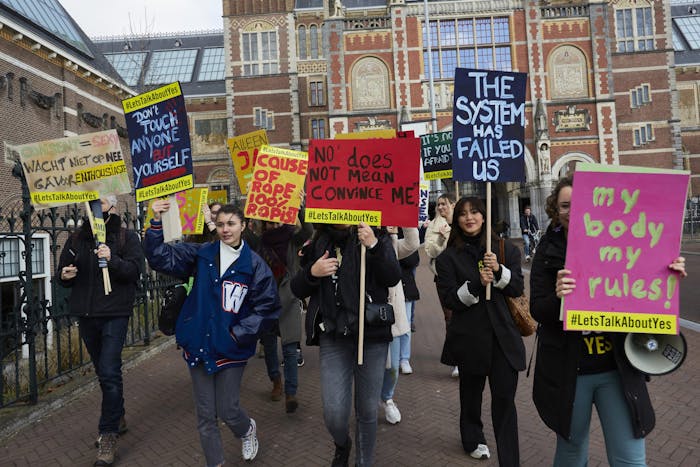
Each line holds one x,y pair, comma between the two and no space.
250,442
405,367
455,372
391,412
481,452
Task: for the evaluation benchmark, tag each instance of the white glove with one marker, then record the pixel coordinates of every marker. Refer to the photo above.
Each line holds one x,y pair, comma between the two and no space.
466,297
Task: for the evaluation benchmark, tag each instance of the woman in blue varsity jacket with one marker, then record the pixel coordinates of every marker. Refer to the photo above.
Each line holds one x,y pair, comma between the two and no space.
233,297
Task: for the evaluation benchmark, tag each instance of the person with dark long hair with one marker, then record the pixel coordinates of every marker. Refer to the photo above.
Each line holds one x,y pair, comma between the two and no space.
482,336
575,370
436,235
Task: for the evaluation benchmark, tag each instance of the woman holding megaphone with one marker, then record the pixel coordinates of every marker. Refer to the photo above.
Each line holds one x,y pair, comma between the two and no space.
576,370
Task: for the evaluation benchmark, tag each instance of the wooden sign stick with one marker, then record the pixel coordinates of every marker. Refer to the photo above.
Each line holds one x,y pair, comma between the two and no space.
361,328
488,231
106,282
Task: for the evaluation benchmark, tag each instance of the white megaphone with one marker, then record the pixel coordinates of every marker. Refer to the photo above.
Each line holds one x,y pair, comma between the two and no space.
655,354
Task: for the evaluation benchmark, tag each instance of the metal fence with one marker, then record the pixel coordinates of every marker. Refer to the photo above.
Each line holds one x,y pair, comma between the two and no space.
691,222
39,341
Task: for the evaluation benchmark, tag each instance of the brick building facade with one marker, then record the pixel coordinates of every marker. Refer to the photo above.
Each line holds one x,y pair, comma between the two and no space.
53,83
601,80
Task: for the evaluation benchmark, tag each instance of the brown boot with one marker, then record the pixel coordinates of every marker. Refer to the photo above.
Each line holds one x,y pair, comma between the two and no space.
107,450
291,403
276,394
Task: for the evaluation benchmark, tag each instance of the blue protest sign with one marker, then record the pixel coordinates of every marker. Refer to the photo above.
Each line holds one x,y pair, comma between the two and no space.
159,136
488,126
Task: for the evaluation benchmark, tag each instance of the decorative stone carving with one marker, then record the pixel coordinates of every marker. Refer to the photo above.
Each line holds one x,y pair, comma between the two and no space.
337,9
91,119
373,123
370,84
568,70
42,100
572,119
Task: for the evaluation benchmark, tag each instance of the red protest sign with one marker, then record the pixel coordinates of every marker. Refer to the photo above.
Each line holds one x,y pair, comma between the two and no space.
373,181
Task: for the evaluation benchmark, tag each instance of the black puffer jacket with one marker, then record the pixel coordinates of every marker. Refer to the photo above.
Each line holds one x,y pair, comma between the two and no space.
337,313
558,351
87,298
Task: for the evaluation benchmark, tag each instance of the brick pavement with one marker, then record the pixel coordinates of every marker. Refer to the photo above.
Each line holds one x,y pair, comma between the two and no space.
163,433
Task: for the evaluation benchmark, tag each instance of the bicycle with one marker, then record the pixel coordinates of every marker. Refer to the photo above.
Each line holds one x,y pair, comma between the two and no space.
534,241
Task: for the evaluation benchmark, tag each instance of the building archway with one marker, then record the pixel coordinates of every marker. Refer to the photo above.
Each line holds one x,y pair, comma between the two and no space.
566,164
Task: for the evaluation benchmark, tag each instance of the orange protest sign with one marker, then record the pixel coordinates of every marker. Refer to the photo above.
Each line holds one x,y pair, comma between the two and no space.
277,181
244,150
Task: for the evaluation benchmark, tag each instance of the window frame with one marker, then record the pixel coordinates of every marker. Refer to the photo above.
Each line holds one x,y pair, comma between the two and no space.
317,93
627,35
260,51
474,39
317,128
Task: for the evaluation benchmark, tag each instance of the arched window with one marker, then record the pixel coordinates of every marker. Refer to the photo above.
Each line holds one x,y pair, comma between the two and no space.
313,41
259,49
301,32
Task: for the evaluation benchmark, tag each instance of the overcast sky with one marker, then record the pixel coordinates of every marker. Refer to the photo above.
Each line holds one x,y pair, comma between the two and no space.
125,17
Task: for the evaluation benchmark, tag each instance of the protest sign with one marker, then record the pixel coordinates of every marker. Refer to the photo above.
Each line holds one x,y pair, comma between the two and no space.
436,155
488,126
423,203
384,133
159,135
189,205
363,180
277,181
74,169
244,150
624,230
93,209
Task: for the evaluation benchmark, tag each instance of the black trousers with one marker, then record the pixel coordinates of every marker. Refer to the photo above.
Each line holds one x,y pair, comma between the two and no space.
503,382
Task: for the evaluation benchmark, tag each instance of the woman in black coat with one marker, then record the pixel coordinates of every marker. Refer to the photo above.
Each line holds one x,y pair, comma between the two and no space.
482,336
330,276
574,369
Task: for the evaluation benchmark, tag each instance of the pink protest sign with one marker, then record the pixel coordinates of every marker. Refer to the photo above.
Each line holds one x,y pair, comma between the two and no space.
624,230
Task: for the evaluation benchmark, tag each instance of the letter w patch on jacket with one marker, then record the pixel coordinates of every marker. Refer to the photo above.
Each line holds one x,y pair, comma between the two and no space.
232,294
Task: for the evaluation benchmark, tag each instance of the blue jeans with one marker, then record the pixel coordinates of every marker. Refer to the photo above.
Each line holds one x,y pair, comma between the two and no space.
526,239
391,374
405,340
339,368
104,340
399,349
291,370
605,391
217,397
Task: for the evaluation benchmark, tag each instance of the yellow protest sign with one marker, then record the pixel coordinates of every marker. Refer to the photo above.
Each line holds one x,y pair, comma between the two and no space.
190,203
244,150
277,181
75,169
368,134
